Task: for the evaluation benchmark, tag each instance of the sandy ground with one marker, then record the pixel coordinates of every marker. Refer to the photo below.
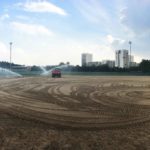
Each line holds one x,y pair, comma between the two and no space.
75,113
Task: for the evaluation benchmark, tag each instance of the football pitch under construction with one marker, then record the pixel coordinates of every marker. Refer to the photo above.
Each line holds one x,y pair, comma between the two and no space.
75,112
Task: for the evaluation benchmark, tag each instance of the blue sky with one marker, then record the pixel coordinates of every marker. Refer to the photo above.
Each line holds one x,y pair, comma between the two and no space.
47,32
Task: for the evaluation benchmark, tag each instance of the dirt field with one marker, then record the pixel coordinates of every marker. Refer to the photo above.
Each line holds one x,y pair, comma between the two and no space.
75,113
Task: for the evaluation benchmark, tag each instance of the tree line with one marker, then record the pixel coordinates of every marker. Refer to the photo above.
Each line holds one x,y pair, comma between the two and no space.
144,67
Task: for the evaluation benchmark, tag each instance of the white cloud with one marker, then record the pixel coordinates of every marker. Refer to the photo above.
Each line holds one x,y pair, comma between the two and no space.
115,42
93,11
20,56
32,29
137,58
103,52
135,16
42,6
122,14
4,16
110,38
23,17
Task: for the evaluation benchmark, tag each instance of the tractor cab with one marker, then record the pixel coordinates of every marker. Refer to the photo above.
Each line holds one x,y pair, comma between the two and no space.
56,73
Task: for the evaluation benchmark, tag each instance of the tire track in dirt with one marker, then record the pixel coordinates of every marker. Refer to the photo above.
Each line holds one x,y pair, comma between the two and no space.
78,103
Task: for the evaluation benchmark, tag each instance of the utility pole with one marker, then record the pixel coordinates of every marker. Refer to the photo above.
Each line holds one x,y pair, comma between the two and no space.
10,53
130,43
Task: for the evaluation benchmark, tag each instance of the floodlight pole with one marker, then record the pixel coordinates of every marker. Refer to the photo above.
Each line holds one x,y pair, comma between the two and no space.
10,54
130,43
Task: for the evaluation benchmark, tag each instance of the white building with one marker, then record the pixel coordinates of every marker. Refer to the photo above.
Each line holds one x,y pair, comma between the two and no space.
86,58
94,63
122,59
109,63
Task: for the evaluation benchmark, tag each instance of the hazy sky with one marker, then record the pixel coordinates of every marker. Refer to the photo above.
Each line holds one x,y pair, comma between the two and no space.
52,31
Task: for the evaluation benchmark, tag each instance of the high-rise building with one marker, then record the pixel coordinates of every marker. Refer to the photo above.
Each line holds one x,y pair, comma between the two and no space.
122,59
86,58
109,63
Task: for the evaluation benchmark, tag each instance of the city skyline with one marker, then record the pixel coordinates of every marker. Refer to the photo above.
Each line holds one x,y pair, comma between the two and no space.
52,31
123,59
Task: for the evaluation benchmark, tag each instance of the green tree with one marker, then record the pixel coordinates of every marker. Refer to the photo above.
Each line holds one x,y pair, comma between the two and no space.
145,66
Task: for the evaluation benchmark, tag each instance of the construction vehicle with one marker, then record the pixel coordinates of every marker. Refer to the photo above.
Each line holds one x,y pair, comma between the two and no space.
56,73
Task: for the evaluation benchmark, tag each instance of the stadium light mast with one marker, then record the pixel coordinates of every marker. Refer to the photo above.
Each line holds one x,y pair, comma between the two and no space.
130,43
10,53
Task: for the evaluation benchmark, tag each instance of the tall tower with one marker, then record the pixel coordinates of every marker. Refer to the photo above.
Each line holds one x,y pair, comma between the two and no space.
117,62
10,53
130,43
86,58
122,59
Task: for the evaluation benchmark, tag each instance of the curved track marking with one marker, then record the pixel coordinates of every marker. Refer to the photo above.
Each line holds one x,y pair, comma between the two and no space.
90,103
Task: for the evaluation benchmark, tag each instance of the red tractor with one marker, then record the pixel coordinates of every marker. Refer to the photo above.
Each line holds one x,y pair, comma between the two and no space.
56,73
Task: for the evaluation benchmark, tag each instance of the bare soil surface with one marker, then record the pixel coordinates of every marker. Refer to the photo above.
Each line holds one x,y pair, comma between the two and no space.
75,113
